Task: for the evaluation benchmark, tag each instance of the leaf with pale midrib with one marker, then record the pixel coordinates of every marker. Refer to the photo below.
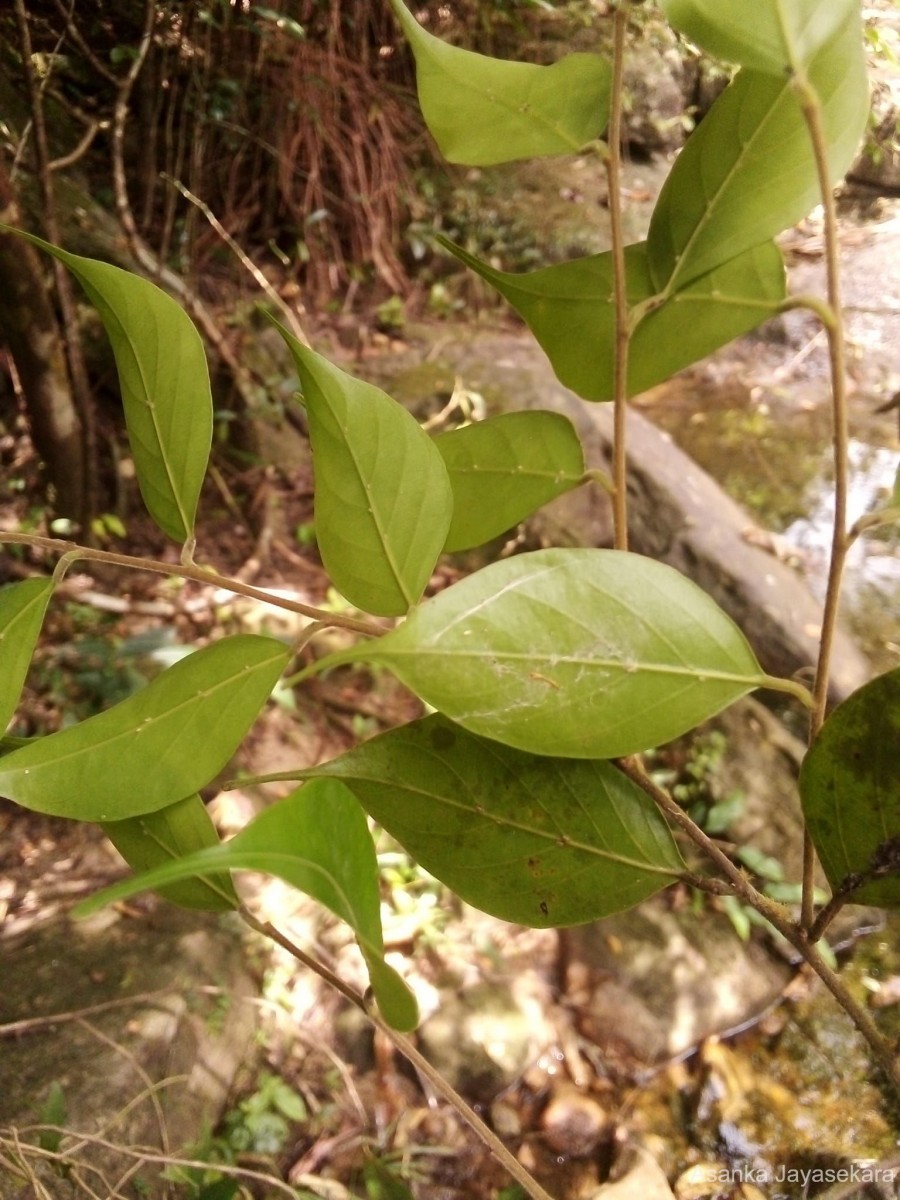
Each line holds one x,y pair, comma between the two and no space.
535,840
164,378
317,840
483,111
158,746
22,608
383,501
573,653
504,468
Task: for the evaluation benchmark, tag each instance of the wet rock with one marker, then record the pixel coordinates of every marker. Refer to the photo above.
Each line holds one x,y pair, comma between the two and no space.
573,1124
639,1177
678,513
657,85
484,1036
879,163
151,1072
653,982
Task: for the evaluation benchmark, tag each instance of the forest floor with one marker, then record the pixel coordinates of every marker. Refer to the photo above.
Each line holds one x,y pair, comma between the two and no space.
324,1107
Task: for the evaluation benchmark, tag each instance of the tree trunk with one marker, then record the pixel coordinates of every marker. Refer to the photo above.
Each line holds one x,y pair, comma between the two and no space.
29,328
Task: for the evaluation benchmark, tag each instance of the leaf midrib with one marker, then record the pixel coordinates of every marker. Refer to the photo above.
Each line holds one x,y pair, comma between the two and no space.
459,79
551,661
561,842
150,406
369,504
146,724
713,200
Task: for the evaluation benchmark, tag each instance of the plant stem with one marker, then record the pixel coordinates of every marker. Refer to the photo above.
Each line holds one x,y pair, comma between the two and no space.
854,1010
774,913
411,1054
737,880
72,553
834,328
620,294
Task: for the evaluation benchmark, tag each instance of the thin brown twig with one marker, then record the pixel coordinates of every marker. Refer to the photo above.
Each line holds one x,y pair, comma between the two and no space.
775,914
411,1054
245,260
72,553
34,1024
146,1156
834,328
140,1071
620,294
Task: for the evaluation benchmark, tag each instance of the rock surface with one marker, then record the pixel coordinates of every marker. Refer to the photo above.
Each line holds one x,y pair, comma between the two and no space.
678,513
653,982
153,1026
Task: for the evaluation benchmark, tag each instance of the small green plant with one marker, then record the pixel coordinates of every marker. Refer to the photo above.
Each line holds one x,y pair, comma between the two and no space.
551,671
260,1123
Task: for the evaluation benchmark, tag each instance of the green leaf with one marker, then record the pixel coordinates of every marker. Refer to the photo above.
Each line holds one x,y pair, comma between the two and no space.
383,1184
504,468
22,608
539,841
317,839
54,1111
569,309
165,385
482,110
383,501
172,832
748,171
571,653
156,747
783,35
850,789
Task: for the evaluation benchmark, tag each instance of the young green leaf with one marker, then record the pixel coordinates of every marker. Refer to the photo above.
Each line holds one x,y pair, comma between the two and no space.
54,1111
317,840
156,747
569,309
482,110
748,170
539,841
571,653
165,386
850,789
173,832
504,468
383,501
22,608
783,36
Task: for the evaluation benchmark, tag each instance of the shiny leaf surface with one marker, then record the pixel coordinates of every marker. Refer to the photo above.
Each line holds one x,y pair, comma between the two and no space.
483,110
165,386
569,309
748,172
173,832
383,501
784,35
156,747
22,608
571,653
